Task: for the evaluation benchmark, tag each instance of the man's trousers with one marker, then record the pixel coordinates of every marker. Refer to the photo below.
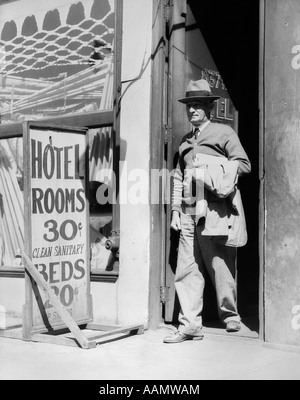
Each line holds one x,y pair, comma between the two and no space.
197,252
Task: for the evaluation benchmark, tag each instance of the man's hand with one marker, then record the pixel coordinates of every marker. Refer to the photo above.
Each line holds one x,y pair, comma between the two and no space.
176,221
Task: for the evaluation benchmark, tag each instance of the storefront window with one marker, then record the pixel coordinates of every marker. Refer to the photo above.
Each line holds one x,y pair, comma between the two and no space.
55,60
56,65
102,180
11,203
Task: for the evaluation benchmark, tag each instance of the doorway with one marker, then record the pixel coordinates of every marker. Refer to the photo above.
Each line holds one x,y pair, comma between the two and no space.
230,31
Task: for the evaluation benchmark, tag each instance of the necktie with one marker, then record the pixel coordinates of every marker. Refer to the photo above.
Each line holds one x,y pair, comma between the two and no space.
196,133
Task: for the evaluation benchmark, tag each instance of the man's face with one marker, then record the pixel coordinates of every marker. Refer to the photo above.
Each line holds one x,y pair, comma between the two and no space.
199,112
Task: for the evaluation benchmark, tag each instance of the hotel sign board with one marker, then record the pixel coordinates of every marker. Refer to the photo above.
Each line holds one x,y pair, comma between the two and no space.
57,223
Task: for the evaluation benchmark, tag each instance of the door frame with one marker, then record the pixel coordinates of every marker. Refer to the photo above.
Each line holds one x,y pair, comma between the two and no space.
262,173
176,115
168,51
158,122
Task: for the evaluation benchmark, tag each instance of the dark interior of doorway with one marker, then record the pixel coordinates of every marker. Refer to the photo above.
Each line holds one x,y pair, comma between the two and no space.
231,31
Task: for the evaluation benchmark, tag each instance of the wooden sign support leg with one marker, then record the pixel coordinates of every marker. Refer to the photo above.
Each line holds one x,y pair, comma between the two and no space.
95,333
62,311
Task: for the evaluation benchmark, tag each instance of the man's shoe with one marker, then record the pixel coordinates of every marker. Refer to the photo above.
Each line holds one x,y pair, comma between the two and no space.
233,326
179,337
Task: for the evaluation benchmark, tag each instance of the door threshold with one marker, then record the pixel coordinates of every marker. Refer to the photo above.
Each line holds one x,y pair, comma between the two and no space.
249,330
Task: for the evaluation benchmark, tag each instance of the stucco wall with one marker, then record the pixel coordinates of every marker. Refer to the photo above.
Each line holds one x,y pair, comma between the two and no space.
12,299
282,166
104,297
133,290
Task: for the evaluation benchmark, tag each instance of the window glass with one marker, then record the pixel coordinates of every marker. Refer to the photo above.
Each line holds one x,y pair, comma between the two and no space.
56,58
101,199
11,202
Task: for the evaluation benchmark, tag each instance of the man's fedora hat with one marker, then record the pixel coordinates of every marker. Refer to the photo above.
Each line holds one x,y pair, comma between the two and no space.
198,90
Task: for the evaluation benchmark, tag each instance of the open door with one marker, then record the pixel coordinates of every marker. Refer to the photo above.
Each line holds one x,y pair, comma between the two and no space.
211,48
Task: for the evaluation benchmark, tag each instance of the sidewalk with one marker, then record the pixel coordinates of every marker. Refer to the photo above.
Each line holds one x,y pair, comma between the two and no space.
145,357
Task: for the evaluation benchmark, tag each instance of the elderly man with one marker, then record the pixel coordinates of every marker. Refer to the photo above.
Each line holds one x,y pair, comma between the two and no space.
211,221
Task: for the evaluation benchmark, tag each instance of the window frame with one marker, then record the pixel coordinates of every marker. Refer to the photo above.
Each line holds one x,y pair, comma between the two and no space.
99,119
